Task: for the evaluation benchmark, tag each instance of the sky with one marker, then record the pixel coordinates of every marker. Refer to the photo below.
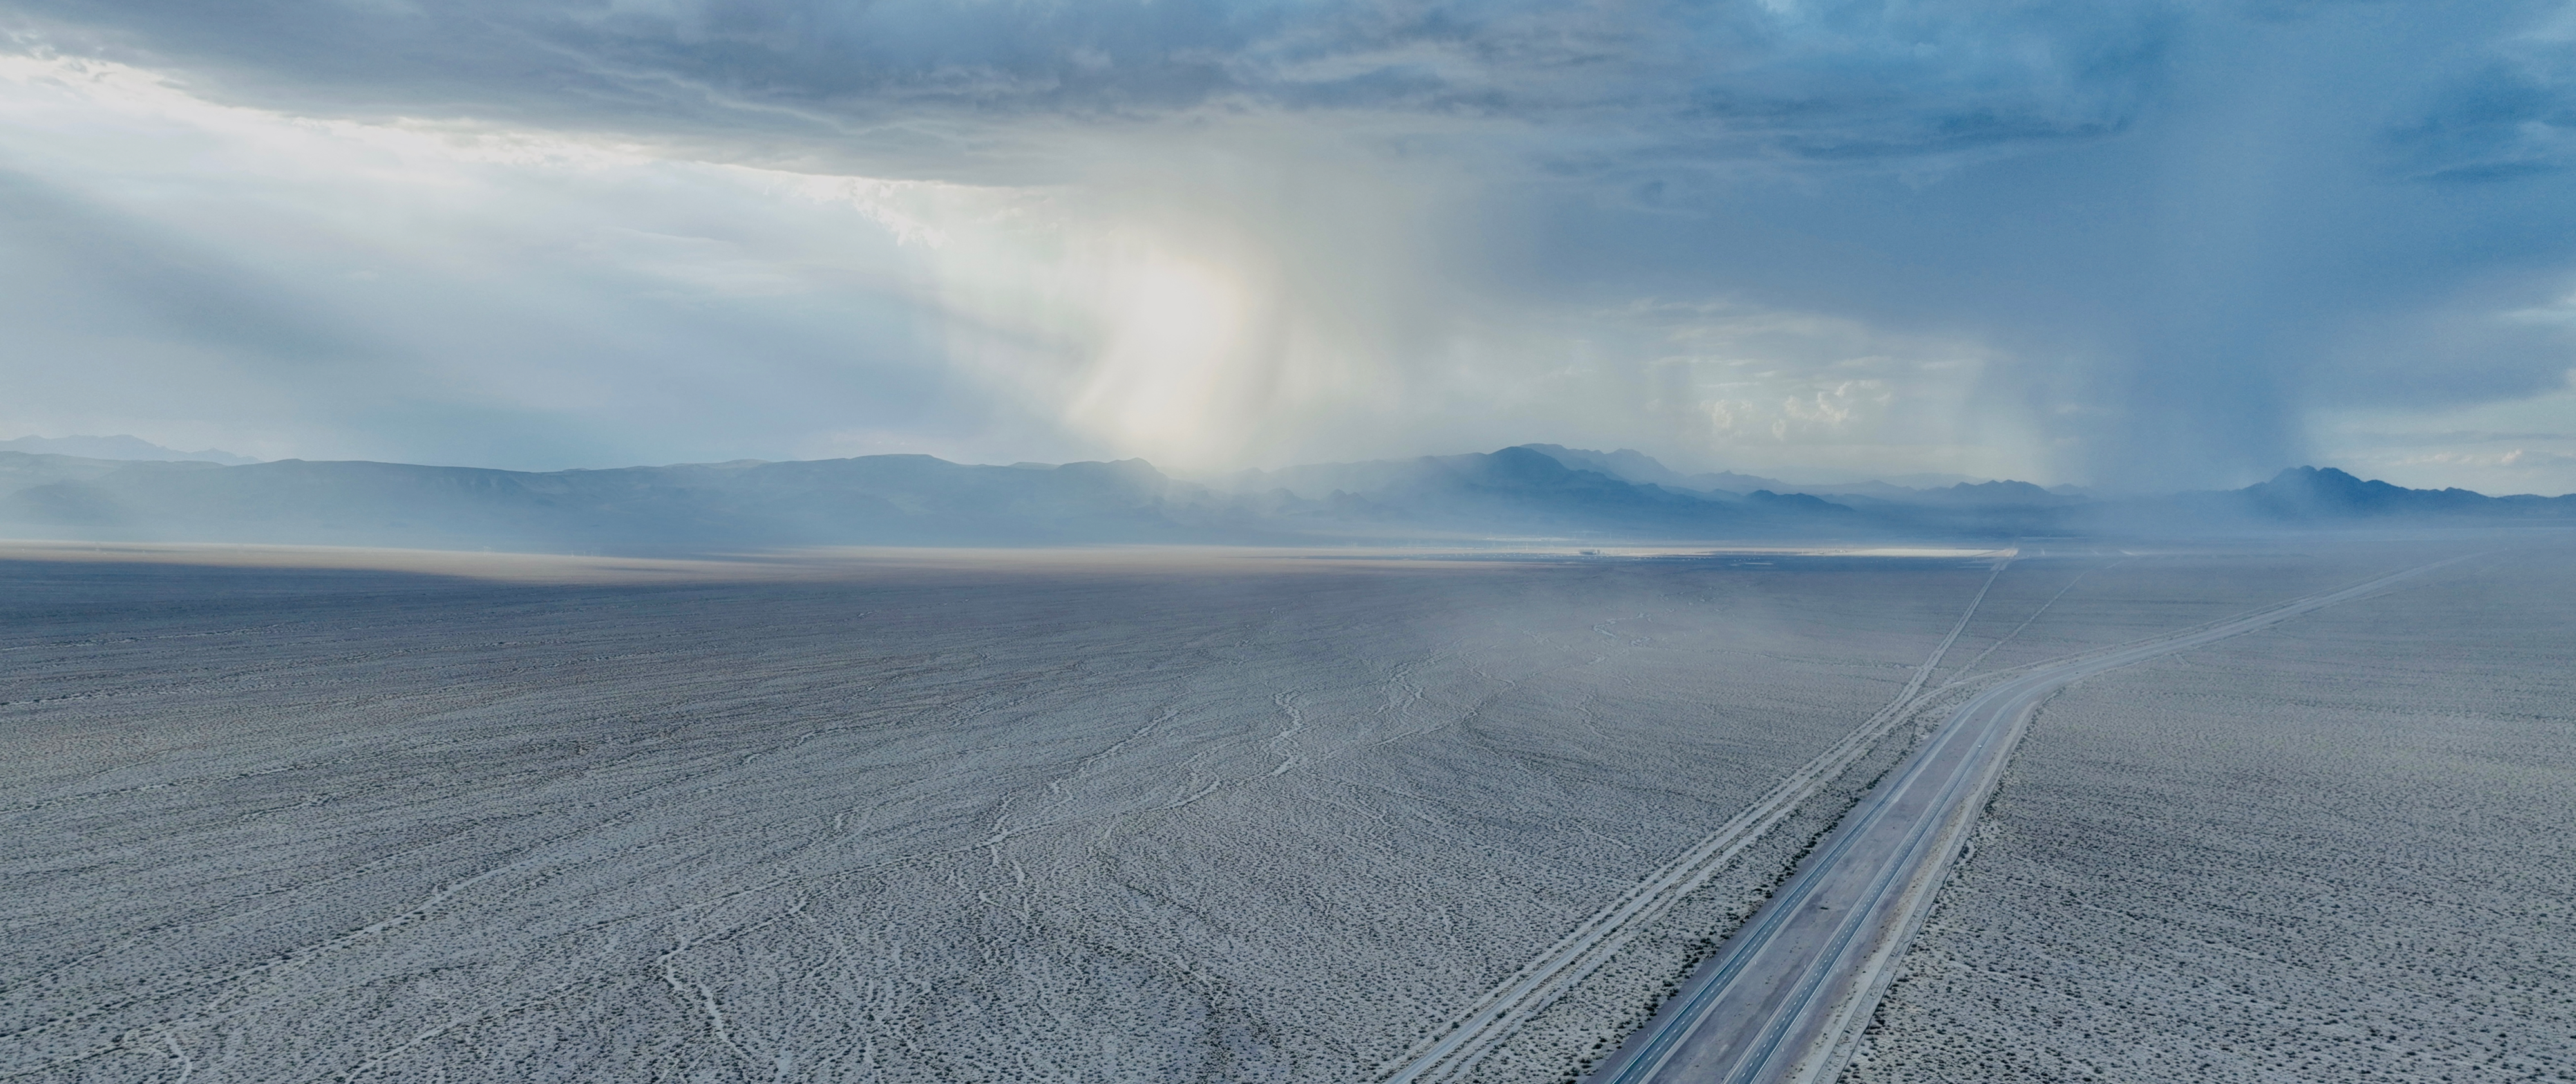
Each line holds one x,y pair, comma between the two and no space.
2139,246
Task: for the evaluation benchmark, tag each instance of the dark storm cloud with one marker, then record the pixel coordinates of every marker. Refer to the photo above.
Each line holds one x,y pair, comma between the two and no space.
1847,81
2187,228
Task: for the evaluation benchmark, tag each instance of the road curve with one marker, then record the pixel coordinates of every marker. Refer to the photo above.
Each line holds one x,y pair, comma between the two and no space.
1781,997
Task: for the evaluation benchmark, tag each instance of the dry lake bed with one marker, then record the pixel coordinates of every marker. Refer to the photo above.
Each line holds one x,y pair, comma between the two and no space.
1274,819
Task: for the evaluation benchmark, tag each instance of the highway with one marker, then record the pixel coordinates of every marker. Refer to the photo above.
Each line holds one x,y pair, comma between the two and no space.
1493,1018
1784,997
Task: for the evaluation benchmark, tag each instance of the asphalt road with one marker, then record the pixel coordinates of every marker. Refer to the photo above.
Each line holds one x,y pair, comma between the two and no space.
1782,997
1573,958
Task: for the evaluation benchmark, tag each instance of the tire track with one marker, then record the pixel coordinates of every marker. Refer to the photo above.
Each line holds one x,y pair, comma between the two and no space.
1493,1017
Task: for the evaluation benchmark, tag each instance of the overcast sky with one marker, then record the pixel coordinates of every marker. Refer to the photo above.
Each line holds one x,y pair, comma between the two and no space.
2138,245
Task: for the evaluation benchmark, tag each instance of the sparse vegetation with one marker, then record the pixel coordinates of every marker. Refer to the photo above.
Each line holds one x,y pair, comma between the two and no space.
2334,851
1282,826
307,826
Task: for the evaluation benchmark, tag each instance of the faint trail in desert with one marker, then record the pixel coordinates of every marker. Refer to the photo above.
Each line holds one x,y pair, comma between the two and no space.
1491,1018
1971,667
903,831
1871,882
1280,743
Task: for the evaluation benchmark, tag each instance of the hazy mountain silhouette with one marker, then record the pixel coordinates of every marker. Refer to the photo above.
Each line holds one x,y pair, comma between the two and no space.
2321,493
910,500
1631,465
120,446
1521,490
1531,491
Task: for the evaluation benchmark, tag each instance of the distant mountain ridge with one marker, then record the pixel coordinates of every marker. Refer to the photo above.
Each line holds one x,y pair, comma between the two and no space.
2313,493
1635,466
1523,492
895,500
120,447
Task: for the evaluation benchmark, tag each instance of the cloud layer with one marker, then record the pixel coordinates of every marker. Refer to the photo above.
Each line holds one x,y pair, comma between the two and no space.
2140,244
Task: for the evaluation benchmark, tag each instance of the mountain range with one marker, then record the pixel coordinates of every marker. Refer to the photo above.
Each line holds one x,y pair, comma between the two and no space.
1521,493
120,446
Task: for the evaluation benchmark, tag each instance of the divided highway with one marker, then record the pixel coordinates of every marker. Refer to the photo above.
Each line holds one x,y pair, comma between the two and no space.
1783,998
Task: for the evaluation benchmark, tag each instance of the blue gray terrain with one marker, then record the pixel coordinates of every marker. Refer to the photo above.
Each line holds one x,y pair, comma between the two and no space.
1522,491
1277,820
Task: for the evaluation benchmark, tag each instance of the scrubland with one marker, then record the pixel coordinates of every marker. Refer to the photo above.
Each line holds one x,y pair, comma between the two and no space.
273,825
2335,850
1282,821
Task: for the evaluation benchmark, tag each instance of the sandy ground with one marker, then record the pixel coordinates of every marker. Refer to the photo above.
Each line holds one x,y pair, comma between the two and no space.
1136,815
2335,851
1043,824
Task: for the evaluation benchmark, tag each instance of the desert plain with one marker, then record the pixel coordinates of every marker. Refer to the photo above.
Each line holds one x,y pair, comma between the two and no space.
1290,818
